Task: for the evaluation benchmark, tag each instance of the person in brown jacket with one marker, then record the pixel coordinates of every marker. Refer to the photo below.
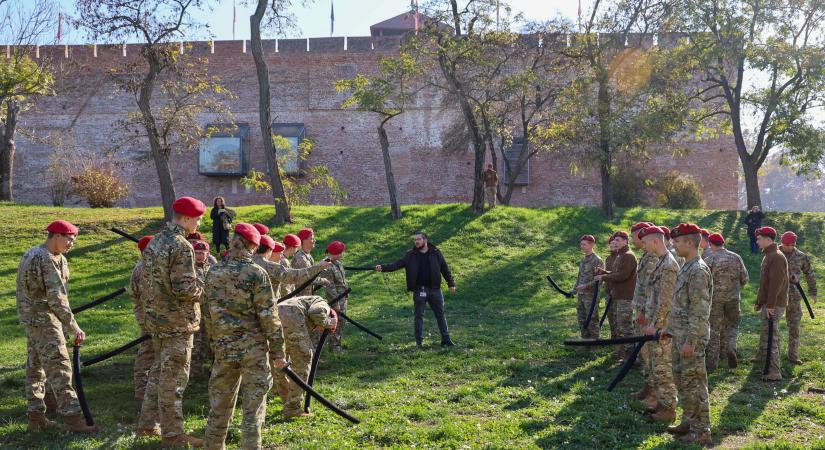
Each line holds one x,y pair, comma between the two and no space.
490,183
772,298
621,282
610,262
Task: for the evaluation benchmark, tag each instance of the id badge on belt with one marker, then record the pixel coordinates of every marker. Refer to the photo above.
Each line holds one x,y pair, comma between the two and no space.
423,292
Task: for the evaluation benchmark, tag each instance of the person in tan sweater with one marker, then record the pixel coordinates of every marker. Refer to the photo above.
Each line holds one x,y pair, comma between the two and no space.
772,298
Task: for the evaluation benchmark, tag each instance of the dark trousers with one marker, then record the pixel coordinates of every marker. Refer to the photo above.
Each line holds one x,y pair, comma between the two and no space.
752,237
436,300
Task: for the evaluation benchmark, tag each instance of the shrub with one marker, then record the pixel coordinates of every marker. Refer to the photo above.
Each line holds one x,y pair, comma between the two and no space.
677,190
100,184
630,188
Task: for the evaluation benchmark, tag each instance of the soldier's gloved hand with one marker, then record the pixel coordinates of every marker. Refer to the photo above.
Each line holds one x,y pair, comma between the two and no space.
334,324
79,335
794,278
280,363
326,262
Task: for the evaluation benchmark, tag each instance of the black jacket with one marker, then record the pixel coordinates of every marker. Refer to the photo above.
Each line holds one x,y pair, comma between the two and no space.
438,267
219,235
754,220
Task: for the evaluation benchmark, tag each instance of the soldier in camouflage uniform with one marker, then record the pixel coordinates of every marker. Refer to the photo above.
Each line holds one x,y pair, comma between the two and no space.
173,292
336,285
662,404
291,245
303,257
647,262
585,287
704,246
201,350
620,277
43,309
689,327
670,247
146,353
798,264
771,299
299,317
196,237
243,322
729,277
609,263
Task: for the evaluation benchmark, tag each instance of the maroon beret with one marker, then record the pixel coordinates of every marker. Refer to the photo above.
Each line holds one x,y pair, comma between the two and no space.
277,247
305,233
290,240
263,229
188,206
788,238
143,242
336,248
684,229
666,230
639,226
766,231
196,236
249,232
201,245
62,227
705,233
588,237
647,231
267,241
716,239
621,234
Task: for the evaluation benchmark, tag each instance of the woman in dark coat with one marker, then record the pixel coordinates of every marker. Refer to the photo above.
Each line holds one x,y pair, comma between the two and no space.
221,224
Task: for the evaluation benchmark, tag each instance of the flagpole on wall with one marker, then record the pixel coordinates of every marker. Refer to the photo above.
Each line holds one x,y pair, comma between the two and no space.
331,17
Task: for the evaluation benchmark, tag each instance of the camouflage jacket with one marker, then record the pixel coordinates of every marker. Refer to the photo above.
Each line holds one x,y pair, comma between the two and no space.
239,305
43,288
173,289
688,321
708,254
799,264
314,308
729,275
137,288
646,264
679,259
303,260
662,283
337,280
587,271
285,278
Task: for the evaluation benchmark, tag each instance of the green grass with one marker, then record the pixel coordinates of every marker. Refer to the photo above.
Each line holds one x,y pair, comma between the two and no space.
508,384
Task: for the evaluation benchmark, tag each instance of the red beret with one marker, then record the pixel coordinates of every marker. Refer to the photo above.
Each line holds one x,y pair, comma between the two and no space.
788,238
766,231
305,233
716,239
684,229
336,248
62,227
143,242
647,231
249,232
263,229
639,226
277,247
267,241
620,234
290,240
188,206
201,245
588,237
705,233
666,230
196,236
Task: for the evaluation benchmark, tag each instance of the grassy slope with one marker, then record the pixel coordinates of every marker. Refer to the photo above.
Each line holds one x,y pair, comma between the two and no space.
509,383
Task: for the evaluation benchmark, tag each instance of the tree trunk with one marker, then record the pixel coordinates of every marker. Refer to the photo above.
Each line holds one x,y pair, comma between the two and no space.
606,157
395,209
7,148
282,211
751,183
160,155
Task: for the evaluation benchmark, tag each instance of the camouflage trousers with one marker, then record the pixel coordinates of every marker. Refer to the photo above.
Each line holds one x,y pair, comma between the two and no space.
48,366
201,350
143,363
582,309
251,374
335,338
621,321
724,329
168,377
691,380
774,371
490,193
299,350
794,317
660,370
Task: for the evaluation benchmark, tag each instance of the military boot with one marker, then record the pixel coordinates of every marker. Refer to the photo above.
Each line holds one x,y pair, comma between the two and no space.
698,438
181,441
682,428
642,393
732,359
663,415
147,432
37,421
75,423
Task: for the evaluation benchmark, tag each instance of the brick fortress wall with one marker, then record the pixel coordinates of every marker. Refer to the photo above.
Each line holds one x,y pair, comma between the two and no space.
302,77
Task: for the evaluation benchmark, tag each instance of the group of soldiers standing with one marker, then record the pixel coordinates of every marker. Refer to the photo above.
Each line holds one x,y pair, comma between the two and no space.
195,308
685,289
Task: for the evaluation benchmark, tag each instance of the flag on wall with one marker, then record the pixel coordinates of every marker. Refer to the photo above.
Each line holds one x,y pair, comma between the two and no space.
331,17
59,26
233,20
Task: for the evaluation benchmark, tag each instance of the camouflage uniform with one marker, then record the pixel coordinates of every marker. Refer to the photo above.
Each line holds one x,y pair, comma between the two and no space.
647,263
798,264
43,308
660,363
146,353
688,322
337,284
201,349
729,276
679,260
609,264
299,315
244,325
587,273
302,260
173,315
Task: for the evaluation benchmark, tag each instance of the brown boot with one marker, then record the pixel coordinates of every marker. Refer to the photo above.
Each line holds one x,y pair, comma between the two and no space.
795,361
663,415
139,395
698,438
651,402
643,393
682,428
181,441
147,432
50,400
296,414
38,421
77,424
732,360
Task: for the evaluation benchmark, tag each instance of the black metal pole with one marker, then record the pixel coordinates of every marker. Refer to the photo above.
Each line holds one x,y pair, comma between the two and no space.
100,300
78,386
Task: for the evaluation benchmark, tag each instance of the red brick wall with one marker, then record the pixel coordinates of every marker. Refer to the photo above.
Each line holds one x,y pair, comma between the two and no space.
89,105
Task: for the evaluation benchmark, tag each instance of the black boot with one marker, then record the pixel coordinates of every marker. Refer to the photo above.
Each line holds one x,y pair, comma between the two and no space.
447,342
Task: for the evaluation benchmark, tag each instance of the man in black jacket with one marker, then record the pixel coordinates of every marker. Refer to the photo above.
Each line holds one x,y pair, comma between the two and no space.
754,221
424,265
